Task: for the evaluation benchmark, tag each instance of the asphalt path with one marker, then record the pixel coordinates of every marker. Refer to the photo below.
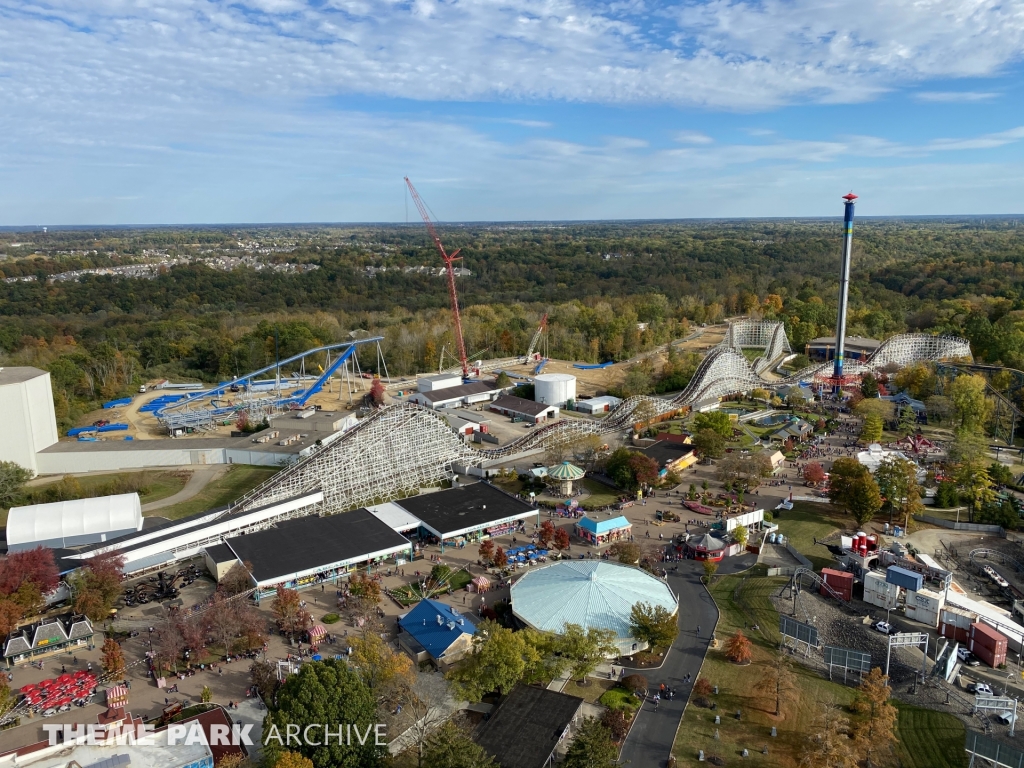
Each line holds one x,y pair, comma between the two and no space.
649,743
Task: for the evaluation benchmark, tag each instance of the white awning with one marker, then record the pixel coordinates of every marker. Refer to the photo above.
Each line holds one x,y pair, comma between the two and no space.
68,522
394,516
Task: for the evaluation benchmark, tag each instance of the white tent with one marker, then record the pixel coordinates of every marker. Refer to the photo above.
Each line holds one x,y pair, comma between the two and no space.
72,523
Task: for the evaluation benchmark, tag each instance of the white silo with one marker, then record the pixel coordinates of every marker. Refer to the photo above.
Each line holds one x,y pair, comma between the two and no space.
554,388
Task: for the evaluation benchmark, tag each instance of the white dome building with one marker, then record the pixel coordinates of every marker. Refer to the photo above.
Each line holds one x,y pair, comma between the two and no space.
554,388
591,593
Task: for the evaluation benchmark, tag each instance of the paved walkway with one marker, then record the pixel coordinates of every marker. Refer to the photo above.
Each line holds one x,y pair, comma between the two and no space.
201,477
649,743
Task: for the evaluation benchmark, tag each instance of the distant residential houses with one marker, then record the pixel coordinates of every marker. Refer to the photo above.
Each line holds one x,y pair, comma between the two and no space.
371,271
149,270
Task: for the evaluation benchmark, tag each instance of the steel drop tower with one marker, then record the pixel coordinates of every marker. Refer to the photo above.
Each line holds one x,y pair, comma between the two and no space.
844,290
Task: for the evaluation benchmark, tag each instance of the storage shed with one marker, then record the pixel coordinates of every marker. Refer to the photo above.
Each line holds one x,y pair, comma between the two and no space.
64,524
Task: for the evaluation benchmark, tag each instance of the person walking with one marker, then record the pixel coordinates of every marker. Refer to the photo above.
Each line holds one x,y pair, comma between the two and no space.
698,630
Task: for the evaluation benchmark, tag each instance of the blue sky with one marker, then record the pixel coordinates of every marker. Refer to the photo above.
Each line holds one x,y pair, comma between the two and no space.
200,111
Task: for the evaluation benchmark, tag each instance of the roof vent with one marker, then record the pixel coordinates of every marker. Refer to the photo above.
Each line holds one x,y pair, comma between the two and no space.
451,625
440,621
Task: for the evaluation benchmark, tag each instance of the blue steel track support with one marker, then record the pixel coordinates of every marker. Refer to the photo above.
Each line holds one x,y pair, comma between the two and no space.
844,289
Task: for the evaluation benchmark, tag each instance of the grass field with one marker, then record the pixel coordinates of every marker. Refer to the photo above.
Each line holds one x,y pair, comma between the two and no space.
808,521
158,484
744,600
236,481
600,494
930,739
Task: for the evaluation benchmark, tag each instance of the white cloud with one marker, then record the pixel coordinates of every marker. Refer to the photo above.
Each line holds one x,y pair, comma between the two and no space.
693,137
735,54
955,96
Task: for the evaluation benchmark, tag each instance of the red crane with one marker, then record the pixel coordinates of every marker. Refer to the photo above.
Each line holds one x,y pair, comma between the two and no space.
449,259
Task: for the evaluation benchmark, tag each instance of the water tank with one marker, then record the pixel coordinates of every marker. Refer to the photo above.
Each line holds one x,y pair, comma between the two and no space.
771,538
554,388
780,539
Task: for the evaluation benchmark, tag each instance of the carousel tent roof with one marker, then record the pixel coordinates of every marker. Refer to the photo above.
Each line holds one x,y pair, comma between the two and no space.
591,593
708,542
565,471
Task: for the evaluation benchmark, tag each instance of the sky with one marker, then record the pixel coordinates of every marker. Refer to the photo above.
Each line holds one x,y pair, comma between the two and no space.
260,111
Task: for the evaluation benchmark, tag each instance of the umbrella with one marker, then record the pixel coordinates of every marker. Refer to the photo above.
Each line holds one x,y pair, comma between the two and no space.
533,555
26,689
46,683
65,679
316,657
530,546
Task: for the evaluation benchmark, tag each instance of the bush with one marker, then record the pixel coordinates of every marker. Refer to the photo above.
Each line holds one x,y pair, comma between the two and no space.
331,618
703,687
616,721
702,702
635,683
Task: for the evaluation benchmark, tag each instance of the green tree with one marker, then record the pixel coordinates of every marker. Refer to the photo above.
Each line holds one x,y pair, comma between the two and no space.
906,421
327,692
1001,512
871,432
1000,473
869,385
884,409
897,482
717,421
627,552
709,444
451,747
710,568
638,381
591,747
967,394
12,480
939,408
740,534
502,381
864,500
918,380
499,660
653,624
586,648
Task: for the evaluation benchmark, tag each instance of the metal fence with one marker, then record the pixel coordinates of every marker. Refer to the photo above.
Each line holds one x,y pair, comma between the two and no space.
955,526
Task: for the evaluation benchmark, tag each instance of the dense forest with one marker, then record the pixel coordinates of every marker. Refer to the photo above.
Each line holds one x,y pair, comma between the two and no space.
611,290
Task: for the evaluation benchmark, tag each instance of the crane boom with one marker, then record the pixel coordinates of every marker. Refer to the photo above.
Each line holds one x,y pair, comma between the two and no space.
449,259
536,337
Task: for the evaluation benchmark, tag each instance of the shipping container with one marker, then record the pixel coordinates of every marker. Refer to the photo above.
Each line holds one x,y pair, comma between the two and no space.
878,592
953,632
840,582
924,606
994,658
958,617
985,636
901,577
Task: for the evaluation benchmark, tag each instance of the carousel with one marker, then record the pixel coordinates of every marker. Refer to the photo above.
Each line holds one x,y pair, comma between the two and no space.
565,474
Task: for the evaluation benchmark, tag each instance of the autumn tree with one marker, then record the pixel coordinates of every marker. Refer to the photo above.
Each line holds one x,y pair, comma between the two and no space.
263,676
737,648
111,658
292,760
10,616
499,558
546,533
291,617
97,586
377,392
236,580
852,488
829,745
703,687
710,568
486,550
716,421
778,681
653,624
740,534
814,473
384,671
561,540
875,732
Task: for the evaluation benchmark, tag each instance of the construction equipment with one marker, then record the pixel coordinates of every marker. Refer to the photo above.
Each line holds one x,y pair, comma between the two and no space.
536,338
449,260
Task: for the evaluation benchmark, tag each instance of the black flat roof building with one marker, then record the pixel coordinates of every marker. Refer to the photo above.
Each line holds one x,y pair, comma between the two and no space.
294,549
525,728
466,509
